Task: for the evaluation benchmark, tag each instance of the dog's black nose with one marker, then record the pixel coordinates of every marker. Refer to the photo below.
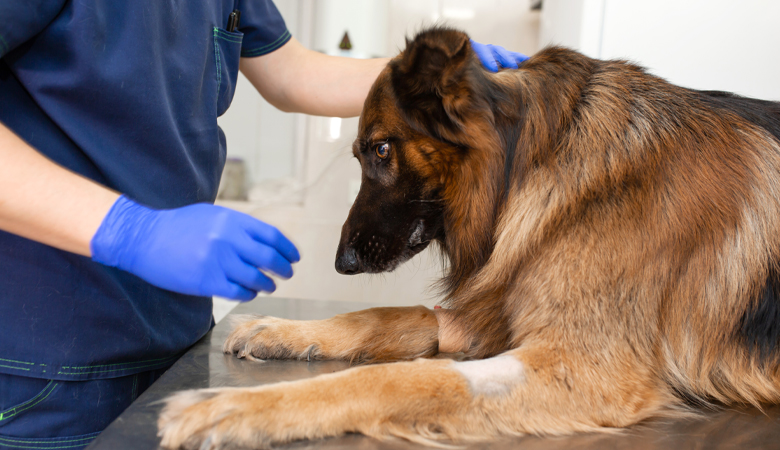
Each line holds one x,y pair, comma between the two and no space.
347,262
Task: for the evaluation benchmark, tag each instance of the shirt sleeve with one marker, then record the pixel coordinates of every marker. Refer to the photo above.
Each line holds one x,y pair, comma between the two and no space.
21,20
263,27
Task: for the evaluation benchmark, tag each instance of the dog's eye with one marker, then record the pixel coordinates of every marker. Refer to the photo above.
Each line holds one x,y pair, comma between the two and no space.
383,150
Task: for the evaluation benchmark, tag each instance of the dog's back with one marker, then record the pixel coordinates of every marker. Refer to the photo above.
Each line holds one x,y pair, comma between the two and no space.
613,219
660,226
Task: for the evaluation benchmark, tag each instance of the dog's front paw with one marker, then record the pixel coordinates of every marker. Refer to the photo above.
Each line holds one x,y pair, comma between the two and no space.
264,337
218,418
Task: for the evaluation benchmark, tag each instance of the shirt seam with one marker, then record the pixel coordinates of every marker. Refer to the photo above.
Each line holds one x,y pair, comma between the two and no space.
228,36
217,59
14,409
16,368
26,405
88,372
268,48
156,360
57,441
94,366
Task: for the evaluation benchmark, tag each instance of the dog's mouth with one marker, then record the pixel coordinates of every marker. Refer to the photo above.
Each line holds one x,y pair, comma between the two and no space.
376,256
417,241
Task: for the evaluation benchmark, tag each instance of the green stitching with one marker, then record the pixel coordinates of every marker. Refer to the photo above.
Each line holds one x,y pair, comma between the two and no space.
228,37
233,34
48,448
274,43
19,409
33,399
17,368
267,48
90,436
229,33
120,364
106,370
14,409
18,362
216,58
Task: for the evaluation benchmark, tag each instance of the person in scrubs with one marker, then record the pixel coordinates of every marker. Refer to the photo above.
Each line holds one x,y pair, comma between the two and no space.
110,158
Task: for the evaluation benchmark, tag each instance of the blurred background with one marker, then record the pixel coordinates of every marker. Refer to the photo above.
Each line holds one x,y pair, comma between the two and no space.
297,172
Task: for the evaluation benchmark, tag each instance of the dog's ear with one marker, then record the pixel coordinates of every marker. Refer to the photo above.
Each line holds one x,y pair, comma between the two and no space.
432,81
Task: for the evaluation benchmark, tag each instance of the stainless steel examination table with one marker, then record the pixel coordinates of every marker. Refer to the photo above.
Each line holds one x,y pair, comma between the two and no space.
204,365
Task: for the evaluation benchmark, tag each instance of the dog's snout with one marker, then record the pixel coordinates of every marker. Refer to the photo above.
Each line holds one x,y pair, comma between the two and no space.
347,262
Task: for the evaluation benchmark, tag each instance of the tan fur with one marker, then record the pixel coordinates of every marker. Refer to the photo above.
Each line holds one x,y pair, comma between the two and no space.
376,334
613,237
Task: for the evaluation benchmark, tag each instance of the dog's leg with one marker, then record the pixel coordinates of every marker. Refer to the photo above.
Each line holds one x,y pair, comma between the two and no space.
522,391
376,334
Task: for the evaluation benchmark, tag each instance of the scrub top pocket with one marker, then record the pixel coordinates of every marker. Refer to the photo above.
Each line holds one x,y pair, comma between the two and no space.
7,415
227,53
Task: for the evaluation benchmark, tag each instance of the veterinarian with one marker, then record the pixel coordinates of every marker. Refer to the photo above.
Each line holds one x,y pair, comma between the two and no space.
110,157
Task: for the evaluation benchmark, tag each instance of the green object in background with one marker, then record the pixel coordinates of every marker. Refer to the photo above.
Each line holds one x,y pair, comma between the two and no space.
345,43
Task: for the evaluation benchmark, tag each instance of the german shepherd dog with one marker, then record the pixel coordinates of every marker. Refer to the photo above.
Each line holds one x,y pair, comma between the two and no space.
613,244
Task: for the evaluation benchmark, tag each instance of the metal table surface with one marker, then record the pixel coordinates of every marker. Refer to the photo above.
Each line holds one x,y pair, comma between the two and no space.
204,365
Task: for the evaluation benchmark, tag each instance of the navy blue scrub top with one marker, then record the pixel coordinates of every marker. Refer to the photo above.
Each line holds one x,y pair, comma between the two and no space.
126,93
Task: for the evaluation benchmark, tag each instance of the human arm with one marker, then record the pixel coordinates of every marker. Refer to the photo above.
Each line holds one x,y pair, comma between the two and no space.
42,201
296,79
198,249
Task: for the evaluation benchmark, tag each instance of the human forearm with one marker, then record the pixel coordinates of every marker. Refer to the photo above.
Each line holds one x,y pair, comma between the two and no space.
45,202
295,79
199,249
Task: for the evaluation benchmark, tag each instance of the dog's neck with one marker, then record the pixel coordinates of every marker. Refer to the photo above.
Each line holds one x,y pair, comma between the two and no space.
520,129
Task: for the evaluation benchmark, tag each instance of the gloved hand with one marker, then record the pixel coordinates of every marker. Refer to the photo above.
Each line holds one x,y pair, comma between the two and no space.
493,56
198,249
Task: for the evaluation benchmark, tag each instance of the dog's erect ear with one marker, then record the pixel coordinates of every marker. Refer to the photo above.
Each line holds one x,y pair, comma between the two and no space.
431,80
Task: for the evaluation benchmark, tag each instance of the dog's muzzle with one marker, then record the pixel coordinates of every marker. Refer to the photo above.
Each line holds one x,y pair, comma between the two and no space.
347,262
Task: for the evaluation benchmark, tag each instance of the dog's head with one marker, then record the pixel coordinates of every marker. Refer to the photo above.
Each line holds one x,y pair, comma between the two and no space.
413,135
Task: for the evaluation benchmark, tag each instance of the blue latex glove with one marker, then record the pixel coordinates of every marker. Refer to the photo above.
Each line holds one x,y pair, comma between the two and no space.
198,249
493,56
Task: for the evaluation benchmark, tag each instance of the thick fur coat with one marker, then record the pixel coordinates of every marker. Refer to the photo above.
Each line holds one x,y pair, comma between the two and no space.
612,242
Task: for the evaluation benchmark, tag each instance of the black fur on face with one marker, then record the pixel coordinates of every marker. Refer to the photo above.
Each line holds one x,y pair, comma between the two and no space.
395,215
416,112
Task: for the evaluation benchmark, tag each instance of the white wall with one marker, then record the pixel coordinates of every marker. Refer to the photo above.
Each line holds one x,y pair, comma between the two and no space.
509,23
704,44
366,22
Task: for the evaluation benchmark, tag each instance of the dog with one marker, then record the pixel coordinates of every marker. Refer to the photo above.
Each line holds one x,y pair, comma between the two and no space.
612,242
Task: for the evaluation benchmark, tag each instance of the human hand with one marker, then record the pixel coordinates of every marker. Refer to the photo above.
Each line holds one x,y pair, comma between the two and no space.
199,249
493,56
